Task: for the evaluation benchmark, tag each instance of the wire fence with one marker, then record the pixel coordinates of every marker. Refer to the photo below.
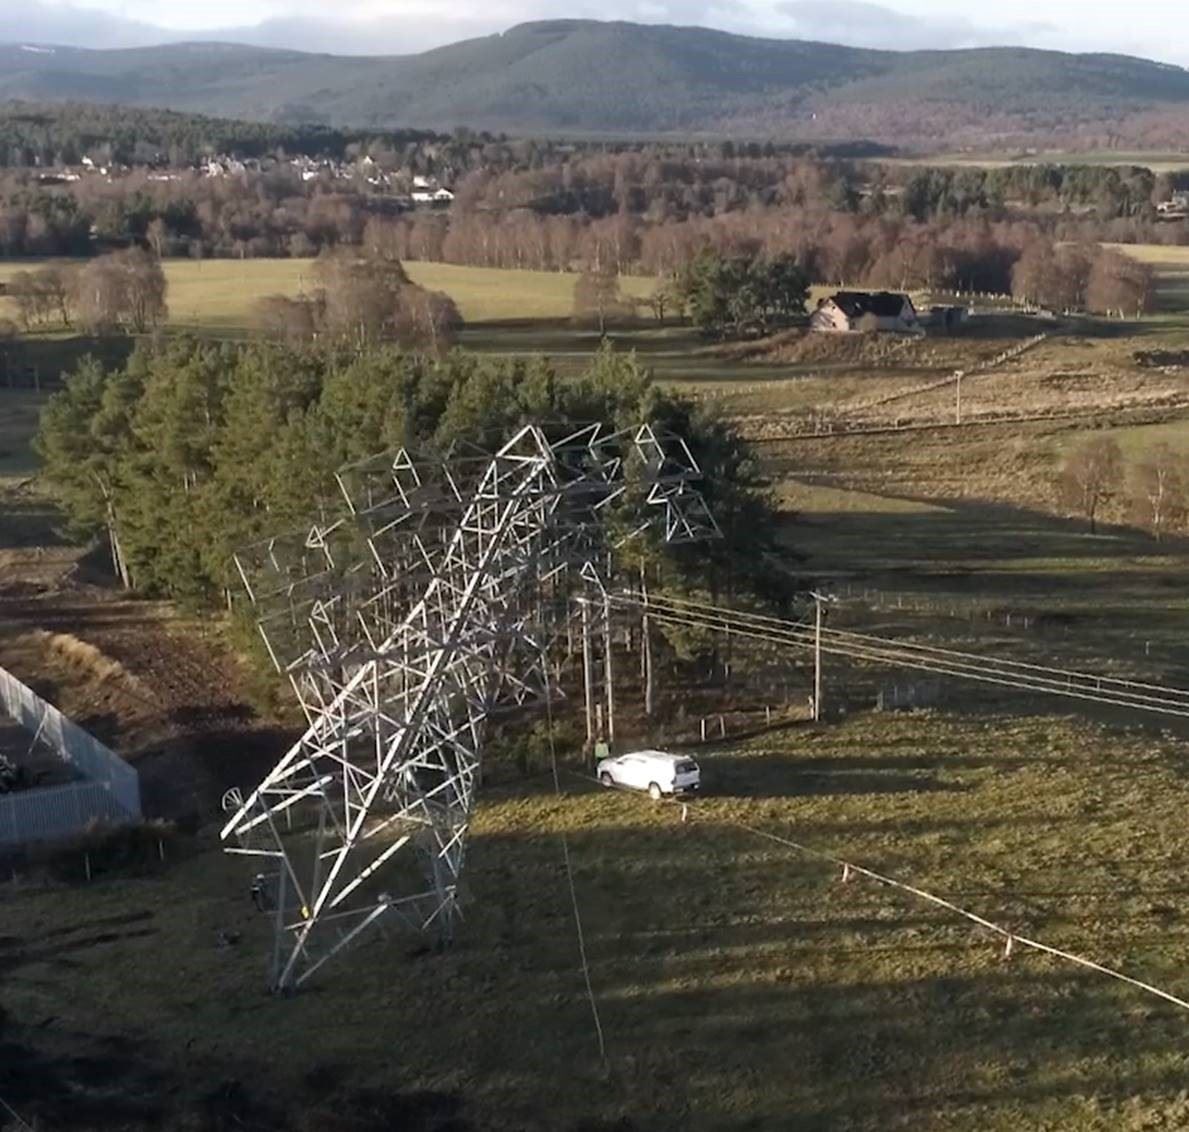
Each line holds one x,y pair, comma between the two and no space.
109,789
1042,619
1011,938
822,426
56,811
984,668
979,368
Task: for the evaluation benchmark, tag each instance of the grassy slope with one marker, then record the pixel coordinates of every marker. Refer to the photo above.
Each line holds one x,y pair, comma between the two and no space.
18,422
740,985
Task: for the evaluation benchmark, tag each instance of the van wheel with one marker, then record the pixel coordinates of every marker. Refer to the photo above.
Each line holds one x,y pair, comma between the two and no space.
606,779
654,791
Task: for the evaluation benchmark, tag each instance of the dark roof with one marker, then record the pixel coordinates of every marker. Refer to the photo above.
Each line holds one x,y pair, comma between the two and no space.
884,304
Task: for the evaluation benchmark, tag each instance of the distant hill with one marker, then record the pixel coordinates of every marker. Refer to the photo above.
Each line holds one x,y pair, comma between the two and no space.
586,77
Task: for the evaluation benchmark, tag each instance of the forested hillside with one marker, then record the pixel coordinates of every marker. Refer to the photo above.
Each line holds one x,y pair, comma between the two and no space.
583,76
48,133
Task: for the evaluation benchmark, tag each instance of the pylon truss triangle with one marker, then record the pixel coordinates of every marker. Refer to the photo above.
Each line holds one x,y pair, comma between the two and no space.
402,624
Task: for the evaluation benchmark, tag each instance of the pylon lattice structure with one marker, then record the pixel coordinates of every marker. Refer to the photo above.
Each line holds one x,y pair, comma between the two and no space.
404,623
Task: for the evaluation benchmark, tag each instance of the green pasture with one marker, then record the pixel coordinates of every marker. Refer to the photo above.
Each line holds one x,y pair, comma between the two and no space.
740,985
216,295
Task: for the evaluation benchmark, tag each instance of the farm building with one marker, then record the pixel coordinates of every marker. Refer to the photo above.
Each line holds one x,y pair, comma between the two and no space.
944,318
856,311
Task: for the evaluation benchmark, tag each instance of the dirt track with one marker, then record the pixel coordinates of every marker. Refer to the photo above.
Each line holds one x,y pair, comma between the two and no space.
165,692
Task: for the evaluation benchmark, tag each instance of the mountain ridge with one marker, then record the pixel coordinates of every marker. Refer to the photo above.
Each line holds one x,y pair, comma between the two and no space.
601,77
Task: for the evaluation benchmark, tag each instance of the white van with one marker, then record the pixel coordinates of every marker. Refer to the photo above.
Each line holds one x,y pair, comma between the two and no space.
655,771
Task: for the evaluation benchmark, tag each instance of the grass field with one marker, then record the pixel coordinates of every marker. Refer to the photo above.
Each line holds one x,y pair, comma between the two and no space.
740,985
216,296
19,412
1158,161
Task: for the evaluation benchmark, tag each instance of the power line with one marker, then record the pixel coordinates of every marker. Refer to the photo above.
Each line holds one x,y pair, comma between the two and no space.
1091,687
15,1115
565,852
1028,677
785,624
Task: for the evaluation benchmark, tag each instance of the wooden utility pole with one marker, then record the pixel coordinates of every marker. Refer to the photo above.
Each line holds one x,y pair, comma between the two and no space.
645,647
609,674
819,600
817,658
587,673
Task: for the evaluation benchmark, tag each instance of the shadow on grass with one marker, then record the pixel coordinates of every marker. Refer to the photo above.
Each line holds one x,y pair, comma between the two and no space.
746,966
738,987
28,521
44,360
947,531
773,776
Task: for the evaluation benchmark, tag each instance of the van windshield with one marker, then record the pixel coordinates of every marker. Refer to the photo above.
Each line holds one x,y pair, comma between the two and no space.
686,767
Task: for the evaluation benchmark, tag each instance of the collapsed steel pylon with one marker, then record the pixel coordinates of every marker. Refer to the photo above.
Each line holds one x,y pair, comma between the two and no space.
402,624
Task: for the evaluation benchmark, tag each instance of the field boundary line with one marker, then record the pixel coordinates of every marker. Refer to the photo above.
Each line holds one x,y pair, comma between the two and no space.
873,429
980,369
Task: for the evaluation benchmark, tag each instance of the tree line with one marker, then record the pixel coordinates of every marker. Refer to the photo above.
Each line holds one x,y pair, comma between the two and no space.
193,450
120,292
361,298
1082,277
358,298
534,202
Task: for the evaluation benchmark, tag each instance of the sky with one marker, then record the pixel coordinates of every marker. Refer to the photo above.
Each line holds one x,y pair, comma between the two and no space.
1156,29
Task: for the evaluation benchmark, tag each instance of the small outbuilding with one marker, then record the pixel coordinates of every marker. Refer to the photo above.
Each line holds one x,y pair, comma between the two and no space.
945,318
850,312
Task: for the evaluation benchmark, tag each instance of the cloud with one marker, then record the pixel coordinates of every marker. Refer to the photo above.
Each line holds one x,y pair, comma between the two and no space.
358,27
862,24
71,26
376,27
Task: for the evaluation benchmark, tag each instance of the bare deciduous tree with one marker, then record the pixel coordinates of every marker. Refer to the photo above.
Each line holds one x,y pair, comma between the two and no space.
358,295
287,320
383,239
157,234
40,296
98,296
1158,493
426,320
1119,283
124,290
144,289
1092,475
597,297
665,296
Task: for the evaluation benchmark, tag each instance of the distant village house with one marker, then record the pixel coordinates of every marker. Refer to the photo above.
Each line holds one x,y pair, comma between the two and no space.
850,312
